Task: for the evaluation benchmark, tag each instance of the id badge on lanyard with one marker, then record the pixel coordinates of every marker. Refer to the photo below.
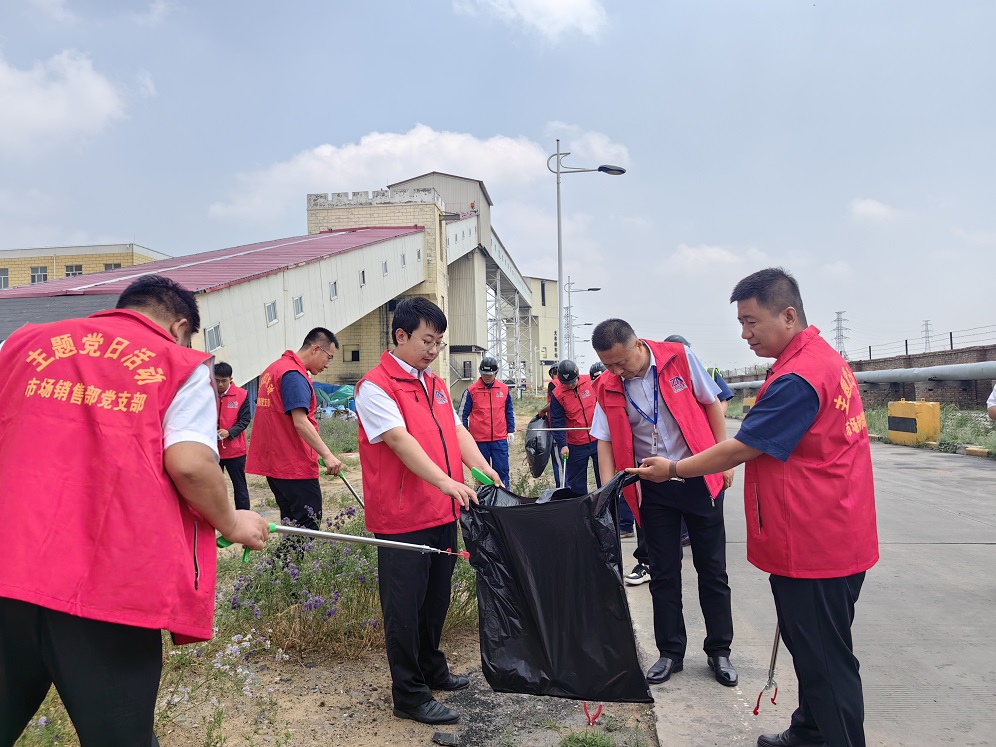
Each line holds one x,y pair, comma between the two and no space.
654,438
653,442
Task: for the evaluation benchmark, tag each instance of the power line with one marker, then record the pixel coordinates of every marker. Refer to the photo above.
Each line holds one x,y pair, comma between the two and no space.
838,333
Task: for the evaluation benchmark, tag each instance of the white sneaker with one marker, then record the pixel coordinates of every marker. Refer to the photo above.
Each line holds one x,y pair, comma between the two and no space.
639,575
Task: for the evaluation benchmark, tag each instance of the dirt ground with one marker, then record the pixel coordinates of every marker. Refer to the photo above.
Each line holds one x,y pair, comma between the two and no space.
348,703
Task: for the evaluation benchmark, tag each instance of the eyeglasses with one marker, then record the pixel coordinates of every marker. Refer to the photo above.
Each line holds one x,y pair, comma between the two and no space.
326,352
429,345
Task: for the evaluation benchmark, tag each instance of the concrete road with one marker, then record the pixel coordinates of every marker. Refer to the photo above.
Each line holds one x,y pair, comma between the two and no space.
925,626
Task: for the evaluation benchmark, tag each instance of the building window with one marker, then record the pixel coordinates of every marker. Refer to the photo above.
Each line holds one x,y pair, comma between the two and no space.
212,337
418,254
4,278
39,274
108,266
383,267
542,294
333,290
363,278
447,241
271,313
354,355
468,369
298,306
73,270
404,261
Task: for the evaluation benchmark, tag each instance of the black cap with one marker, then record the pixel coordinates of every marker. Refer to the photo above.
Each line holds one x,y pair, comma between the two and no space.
678,338
553,370
488,365
567,372
596,370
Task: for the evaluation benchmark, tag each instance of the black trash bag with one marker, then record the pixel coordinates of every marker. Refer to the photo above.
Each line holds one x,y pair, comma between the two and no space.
553,613
538,443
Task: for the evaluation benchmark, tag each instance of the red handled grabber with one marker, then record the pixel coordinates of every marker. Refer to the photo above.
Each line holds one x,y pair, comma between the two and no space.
771,672
280,529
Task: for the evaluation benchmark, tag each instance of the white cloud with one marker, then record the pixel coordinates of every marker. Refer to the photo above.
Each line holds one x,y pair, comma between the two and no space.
551,18
503,163
836,270
865,208
978,238
144,83
54,9
56,100
704,259
154,14
587,148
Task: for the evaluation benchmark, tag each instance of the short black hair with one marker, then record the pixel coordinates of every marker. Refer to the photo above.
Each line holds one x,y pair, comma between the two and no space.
611,332
773,289
321,337
163,297
223,370
412,311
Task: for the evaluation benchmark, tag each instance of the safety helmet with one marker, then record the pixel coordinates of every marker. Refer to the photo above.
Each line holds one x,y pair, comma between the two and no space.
489,365
567,372
596,370
678,338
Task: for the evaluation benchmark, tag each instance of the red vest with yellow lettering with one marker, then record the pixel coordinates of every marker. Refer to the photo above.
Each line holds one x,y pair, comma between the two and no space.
96,527
813,516
487,414
674,379
276,448
229,405
398,500
579,409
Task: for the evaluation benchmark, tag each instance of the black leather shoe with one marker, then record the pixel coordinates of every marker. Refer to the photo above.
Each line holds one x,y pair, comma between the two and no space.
725,673
785,739
430,712
452,682
662,670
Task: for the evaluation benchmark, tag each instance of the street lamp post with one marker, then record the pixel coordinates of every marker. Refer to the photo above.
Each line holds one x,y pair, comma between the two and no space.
561,169
569,349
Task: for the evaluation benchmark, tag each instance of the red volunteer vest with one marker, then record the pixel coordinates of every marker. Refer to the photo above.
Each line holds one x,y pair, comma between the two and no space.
813,516
276,448
579,409
487,414
674,378
397,500
97,528
229,405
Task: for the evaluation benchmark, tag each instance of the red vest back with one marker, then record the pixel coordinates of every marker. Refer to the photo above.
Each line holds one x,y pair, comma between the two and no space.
276,449
674,378
813,516
579,409
99,529
487,415
397,500
229,405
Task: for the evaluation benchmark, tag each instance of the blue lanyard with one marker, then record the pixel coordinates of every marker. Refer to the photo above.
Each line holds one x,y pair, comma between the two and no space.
653,422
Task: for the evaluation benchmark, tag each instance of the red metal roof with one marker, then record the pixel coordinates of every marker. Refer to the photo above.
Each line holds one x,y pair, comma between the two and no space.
209,271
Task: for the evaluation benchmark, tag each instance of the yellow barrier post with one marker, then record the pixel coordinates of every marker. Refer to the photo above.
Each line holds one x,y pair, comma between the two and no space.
912,423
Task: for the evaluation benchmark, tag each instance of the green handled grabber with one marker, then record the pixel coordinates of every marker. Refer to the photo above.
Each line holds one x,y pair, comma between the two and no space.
222,542
481,477
280,529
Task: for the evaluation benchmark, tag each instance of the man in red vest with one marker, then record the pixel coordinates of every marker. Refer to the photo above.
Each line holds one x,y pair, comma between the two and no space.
285,444
233,419
488,415
656,398
111,497
545,414
412,451
572,406
810,503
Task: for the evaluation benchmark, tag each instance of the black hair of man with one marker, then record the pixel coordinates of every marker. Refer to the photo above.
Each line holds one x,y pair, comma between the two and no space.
553,370
321,337
610,333
413,311
222,370
774,290
163,297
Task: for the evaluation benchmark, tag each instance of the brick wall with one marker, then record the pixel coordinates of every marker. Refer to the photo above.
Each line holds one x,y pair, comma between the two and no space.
19,268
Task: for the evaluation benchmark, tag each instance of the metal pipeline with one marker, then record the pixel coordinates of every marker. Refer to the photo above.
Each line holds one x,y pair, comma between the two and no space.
985,370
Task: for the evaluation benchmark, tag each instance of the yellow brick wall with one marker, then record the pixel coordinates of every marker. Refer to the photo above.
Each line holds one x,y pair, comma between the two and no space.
19,268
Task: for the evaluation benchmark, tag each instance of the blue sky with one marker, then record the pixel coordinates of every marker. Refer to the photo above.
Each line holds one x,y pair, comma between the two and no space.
851,142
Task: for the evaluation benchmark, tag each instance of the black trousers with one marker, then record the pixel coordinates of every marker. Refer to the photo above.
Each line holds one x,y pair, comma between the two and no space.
662,509
415,597
236,467
815,616
107,675
300,501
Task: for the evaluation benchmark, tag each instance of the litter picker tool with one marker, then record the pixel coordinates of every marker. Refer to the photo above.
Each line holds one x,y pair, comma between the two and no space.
321,463
771,673
481,477
280,529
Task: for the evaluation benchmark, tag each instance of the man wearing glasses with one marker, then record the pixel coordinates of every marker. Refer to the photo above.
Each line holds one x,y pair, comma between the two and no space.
412,449
285,444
